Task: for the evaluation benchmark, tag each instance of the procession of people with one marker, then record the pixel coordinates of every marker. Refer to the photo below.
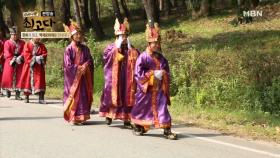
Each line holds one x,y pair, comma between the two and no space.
136,85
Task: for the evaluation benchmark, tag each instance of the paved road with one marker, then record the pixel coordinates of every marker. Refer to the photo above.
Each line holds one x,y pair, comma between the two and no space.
39,131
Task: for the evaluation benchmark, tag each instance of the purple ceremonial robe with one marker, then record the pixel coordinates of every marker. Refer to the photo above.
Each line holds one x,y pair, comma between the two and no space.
124,87
152,96
83,94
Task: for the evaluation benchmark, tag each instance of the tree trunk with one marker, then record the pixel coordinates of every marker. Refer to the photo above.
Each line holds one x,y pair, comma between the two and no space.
166,7
77,14
95,20
65,7
255,3
41,4
181,6
50,5
161,4
98,8
205,8
152,12
3,26
200,8
125,9
156,10
86,14
16,9
117,11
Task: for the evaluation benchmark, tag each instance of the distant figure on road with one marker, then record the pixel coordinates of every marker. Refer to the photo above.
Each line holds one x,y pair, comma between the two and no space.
153,81
33,78
2,59
119,60
78,78
14,60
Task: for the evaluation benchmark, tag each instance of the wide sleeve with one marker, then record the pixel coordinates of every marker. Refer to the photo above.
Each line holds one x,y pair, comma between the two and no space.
7,51
44,52
88,58
166,81
27,53
70,68
108,56
21,47
144,75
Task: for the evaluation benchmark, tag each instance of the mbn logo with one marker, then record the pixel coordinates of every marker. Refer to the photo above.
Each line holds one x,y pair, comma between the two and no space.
252,13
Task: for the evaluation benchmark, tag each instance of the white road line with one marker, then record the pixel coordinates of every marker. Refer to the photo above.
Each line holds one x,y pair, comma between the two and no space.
234,146
227,144
214,141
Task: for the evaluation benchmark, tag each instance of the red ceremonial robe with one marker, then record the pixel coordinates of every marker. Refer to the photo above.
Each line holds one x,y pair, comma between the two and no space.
33,74
12,73
1,59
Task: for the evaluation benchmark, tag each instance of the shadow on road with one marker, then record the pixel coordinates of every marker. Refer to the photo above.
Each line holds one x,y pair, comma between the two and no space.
88,123
26,118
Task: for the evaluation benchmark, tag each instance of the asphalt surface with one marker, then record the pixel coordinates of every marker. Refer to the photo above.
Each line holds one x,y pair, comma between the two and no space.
39,131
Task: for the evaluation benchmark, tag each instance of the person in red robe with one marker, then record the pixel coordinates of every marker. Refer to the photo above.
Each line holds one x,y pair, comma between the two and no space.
33,80
13,64
2,41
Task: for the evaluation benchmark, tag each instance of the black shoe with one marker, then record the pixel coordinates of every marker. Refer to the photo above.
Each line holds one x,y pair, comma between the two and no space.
169,135
127,124
108,121
26,100
17,96
41,98
138,130
8,94
75,124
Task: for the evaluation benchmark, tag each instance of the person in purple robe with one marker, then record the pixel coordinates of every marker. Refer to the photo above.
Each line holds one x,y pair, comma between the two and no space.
119,89
78,78
153,80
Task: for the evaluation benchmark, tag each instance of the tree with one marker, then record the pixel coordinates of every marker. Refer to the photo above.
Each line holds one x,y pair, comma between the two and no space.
117,11
166,7
66,12
95,20
77,13
152,10
85,13
49,5
16,9
125,9
200,8
205,7
3,26
41,4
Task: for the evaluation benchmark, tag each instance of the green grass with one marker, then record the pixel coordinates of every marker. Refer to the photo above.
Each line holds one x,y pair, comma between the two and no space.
253,125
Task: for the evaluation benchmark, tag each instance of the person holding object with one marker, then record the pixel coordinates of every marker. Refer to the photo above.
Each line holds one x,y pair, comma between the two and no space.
78,78
153,81
33,80
119,60
13,49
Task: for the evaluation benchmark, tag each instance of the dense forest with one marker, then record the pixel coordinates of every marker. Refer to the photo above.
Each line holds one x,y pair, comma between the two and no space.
88,13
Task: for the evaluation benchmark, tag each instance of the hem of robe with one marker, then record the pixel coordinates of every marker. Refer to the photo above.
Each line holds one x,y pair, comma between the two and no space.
12,89
29,91
116,116
150,123
80,118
